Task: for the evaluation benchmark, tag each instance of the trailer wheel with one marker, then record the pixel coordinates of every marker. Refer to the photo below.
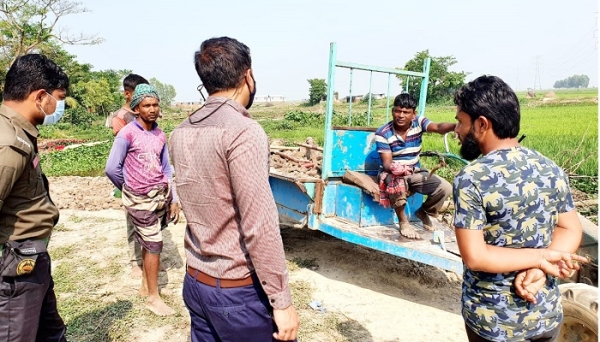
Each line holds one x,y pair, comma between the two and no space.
580,308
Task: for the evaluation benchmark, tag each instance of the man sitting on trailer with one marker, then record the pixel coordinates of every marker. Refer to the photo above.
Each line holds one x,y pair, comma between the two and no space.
399,145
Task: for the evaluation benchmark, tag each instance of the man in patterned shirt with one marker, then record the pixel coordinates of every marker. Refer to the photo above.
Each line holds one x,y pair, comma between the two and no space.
117,121
236,286
138,165
514,213
399,145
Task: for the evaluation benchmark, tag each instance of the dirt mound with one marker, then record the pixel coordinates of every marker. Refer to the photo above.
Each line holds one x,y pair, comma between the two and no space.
83,193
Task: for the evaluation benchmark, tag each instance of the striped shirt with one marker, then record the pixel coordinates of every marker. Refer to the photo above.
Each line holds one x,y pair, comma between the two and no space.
405,152
222,168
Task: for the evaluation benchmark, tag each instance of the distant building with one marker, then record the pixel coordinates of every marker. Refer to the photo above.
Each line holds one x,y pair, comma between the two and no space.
269,98
358,98
355,98
192,105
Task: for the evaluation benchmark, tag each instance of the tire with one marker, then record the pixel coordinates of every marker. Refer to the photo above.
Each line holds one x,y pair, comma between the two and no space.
580,308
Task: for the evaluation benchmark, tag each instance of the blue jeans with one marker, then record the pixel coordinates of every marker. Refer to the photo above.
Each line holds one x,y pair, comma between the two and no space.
228,314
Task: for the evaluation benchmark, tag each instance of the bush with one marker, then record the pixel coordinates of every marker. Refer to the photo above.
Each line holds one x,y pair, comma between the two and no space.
305,118
79,116
358,119
80,161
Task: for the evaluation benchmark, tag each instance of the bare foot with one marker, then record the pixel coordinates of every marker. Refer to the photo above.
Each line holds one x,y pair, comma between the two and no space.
136,271
156,305
143,291
427,224
407,230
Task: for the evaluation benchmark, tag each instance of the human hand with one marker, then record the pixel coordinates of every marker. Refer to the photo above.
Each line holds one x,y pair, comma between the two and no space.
400,169
287,322
566,272
529,282
174,213
559,264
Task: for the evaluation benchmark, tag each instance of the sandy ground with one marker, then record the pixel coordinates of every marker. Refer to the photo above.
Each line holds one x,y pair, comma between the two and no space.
379,297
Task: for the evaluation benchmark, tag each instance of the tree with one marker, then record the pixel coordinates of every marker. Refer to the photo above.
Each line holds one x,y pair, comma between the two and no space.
166,92
575,81
31,25
442,83
317,91
96,92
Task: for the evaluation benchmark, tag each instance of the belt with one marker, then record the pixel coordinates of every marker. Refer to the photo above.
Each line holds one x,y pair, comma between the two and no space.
46,240
211,281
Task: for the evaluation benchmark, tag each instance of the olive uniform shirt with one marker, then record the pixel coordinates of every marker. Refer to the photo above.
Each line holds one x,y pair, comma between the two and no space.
26,210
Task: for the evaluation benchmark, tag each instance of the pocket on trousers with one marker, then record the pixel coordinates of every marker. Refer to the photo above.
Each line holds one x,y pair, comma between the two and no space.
246,322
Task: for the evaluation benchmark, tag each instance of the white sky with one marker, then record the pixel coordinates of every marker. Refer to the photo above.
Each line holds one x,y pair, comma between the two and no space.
289,40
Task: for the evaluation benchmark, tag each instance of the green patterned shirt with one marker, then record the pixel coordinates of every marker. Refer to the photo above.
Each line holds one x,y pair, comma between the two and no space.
514,195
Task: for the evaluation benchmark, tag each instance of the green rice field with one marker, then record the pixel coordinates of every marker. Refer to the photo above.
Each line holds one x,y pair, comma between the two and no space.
564,132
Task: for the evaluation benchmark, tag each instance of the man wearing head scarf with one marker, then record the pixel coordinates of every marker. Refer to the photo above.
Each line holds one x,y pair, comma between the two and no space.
117,121
139,166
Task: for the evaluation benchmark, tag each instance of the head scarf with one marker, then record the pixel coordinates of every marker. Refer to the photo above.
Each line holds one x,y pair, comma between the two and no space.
142,91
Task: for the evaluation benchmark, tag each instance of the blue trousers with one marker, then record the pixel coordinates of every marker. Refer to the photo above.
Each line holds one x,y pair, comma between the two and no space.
228,314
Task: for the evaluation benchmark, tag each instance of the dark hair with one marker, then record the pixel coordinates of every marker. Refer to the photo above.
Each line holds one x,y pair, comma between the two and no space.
405,101
133,80
221,63
492,98
30,73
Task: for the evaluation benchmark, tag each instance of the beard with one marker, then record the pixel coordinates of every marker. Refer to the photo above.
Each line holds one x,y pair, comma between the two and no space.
469,148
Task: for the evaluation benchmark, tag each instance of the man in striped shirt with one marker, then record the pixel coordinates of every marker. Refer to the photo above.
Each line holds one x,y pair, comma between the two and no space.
399,146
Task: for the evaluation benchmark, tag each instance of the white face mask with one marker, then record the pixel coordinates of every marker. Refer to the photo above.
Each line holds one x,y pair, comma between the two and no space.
60,107
57,115
42,109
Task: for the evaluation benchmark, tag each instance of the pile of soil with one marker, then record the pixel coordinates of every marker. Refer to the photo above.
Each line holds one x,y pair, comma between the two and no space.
83,193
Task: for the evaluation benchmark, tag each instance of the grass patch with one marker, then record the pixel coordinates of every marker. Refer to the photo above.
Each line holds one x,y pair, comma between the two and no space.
101,220
565,131
76,219
90,319
316,326
565,94
61,228
57,253
76,274
91,313
305,263
65,130
80,161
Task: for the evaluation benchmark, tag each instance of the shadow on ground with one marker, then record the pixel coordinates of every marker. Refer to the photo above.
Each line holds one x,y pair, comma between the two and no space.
371,269
354,331
100,324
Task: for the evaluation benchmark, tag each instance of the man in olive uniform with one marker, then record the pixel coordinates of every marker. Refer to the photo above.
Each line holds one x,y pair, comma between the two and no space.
33,86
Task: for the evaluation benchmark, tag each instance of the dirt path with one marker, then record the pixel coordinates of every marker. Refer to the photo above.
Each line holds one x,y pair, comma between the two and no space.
368,296
384,298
